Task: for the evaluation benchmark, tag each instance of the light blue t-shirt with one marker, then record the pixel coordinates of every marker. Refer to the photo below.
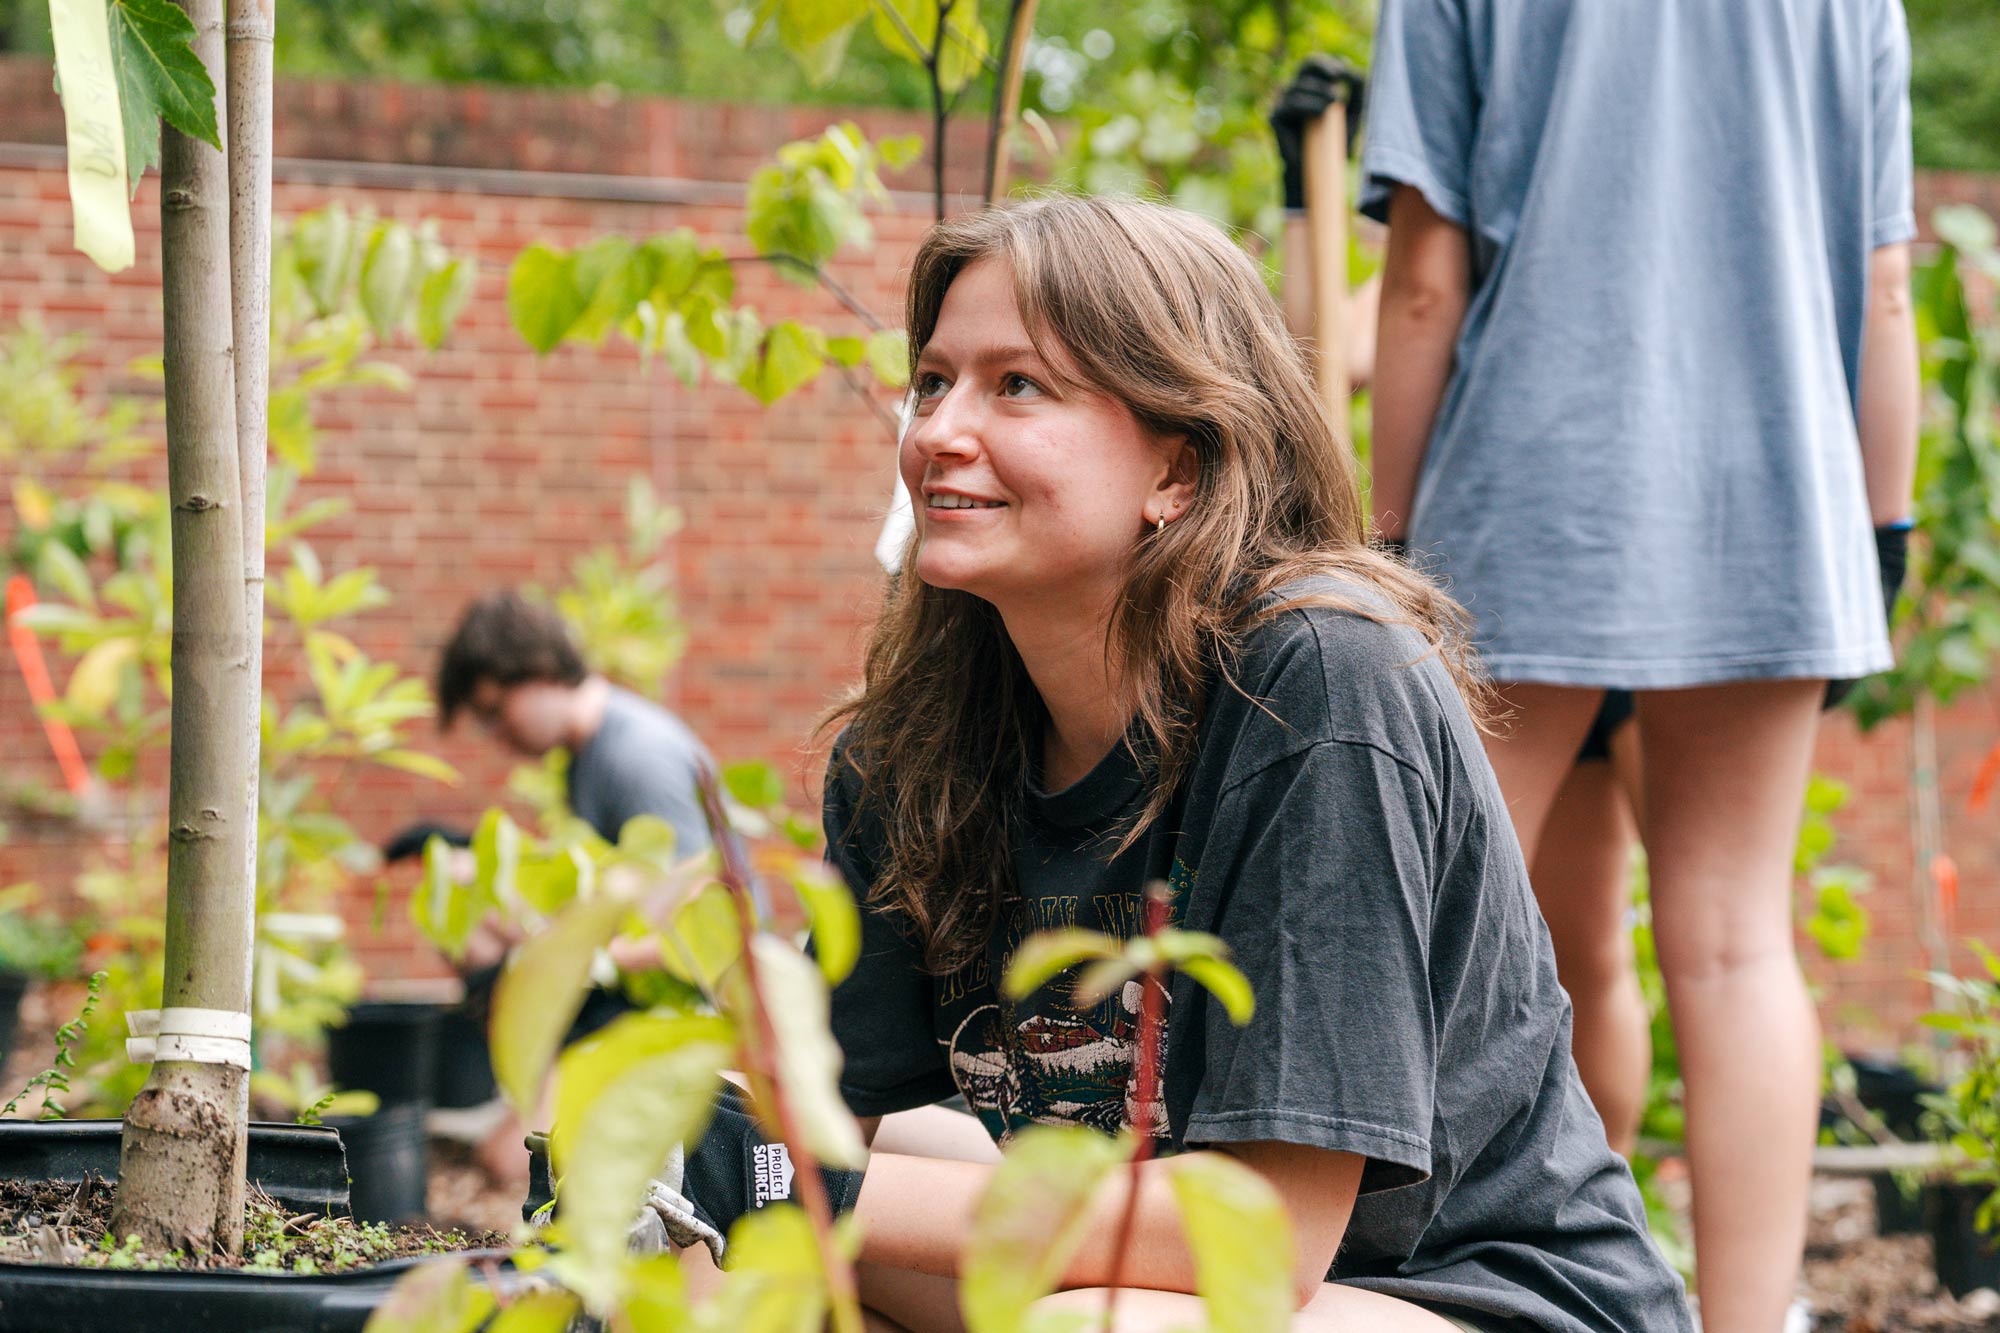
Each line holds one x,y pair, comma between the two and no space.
1645,471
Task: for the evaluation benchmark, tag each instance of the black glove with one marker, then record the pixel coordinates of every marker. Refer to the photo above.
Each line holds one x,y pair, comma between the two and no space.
411,841
1321,81
1892,552
733,1170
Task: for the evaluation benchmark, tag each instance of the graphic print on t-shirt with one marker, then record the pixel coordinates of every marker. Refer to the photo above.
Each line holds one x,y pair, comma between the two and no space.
1043,1060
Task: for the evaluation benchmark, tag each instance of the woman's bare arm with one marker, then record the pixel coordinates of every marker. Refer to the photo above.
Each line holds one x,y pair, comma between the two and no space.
1890,394
1426,286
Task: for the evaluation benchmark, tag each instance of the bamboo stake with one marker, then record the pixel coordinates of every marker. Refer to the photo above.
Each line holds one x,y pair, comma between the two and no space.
249,50
1007,98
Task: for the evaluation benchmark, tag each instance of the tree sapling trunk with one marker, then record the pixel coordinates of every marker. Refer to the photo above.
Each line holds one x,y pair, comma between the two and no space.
180,1175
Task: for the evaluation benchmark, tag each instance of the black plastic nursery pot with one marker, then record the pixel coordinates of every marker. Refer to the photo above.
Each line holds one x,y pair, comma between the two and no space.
1892,1091
389,1048
38,1298
388,1162
464,1064
541,1177
1896,1213
1967,1259
13,985
300,1166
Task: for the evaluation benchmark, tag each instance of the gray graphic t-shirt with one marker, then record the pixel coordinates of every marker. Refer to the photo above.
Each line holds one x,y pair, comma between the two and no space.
1645,471
1343,833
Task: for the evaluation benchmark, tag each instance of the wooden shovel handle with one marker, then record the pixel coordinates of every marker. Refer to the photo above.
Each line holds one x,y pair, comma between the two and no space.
1326,224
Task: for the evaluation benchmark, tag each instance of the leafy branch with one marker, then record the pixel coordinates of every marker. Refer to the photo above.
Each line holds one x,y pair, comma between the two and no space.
55,1078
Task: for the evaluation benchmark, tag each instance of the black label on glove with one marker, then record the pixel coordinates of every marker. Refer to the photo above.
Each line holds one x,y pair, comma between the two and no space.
771,1174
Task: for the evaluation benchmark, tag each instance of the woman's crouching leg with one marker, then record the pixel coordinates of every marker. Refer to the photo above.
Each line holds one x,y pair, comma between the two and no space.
1336,1307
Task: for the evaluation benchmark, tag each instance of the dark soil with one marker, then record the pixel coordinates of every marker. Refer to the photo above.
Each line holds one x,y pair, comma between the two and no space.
1859,1282
43,1222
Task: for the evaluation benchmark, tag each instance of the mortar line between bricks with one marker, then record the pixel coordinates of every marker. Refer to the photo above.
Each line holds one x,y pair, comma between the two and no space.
592,187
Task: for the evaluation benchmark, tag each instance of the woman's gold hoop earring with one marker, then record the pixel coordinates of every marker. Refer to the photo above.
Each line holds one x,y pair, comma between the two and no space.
1160,524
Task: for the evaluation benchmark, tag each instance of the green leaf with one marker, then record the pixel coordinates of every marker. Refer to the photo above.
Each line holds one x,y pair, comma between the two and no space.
889,356
53,618
159,77
1095,983
442,299
388,266
1027,1225
706,938
93,686
547,882
323,248
445,911
606,1056
437,1297
776,1283
835,920
1222,980
795,998
1965,228
790,357
542,296
58,567
539,993
612,276
1045,954
496,853
536,1312
649,1088
1241,1239
965,43
648,840
900,150
416,761
754,784
656,1298
815,32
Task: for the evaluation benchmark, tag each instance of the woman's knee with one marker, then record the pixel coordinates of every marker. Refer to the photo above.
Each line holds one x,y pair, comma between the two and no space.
1696,957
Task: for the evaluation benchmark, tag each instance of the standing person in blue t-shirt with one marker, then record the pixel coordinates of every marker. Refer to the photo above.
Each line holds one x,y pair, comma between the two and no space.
1646,380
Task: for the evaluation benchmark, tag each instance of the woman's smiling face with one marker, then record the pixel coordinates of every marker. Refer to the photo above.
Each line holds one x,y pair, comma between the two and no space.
1024,491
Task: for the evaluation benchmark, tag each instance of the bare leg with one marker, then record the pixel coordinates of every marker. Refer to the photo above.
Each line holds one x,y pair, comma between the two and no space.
1582,877
1345,1309
1536,749
1725,772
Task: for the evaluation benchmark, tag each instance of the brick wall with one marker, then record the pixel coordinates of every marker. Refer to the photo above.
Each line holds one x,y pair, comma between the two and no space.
500,468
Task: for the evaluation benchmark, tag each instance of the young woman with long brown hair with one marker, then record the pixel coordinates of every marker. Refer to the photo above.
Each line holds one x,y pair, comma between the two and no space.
1139,635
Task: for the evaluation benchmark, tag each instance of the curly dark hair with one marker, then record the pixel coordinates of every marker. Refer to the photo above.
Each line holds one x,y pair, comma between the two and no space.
507,639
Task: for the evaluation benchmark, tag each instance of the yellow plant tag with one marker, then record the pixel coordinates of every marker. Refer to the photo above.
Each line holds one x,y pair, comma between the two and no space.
96,133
